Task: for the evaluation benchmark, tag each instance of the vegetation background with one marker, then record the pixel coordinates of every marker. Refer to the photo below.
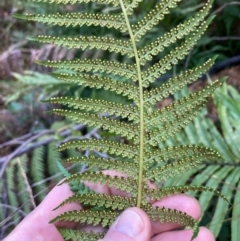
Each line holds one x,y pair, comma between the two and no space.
29,136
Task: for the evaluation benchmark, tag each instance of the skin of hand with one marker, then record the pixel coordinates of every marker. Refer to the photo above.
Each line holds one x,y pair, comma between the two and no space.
131,225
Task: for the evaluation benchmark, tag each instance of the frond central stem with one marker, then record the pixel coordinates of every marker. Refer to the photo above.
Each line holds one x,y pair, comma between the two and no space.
141,144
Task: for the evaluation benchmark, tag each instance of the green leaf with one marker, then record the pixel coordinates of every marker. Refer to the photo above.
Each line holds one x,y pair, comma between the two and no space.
107,164
126,111
126,130
111,147
97,82
97,66
77,19
122,47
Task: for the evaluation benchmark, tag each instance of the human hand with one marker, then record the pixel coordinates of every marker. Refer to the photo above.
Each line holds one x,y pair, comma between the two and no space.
132,225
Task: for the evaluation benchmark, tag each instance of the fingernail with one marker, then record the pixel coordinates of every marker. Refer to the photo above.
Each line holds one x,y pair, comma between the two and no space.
129,223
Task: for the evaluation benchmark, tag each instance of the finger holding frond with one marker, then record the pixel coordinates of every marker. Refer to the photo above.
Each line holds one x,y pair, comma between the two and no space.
94,81
101,200
76,235
178,53
97,66
111,44
153,18
179,32
112,108
114,126
111,147
115,3
105,218
78,19
127,184
158,194
176,83
106,164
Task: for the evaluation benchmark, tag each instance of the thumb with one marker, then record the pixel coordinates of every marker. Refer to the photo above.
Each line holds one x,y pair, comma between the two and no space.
132,225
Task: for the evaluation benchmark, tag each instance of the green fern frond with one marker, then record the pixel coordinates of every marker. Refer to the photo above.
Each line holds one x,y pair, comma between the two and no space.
82,42
101,200
126,130
131,5
177,152
187,109
108,164
176,83
166,215
111,147
105,218
22,184
76,235
37,171
78,19
113,2
97,82
179,32
175,168
122,183
153,18
178,53
165,191
140,159
171,128
97,66
11,186
52,155
125,111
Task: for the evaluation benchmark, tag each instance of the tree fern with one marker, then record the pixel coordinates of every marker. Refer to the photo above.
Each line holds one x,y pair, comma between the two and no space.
146,127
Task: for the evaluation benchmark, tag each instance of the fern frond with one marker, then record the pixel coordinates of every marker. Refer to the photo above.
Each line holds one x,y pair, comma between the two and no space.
172,127
114,126
177,152
178,53
101,200
105,218
175,168
131,5
166,191
177,117
25,192
153,18
97,82
122,47
166,215
97,66
52,155
125,184
176,83
11,186
111,147
76,235
125,111
179,32
37,172
115,3
78,19
106,164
